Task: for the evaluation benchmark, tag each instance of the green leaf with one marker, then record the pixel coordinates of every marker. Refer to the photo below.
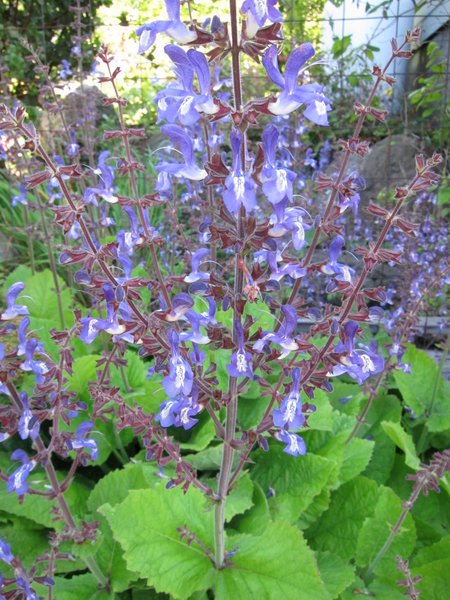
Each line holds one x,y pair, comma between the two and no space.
240,497
145,524
20,273
338,529
315,509
295,480
322,418
376,529
403,441
84,371
417,389
114,487
336,573
201,435
277,564
256,519
80,586
435,581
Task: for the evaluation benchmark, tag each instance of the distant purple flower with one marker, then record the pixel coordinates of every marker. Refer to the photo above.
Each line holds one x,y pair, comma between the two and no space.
65,70
339,271
240,188
290,415
6,554
195,274
73,149
17,481
173,27
284,335
241,361
184,141
293,96
20,198
257,13
13,310
28,424
295,445
81,440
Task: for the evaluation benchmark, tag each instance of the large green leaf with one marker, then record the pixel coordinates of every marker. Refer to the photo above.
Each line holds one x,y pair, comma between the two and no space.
146,525
404,441
277,564
337,530
256,519
418,386
240,498
295,480
336,573
376,529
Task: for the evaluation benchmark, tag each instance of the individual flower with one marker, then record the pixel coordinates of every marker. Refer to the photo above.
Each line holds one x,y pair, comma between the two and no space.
13,310
106,188
195,335
283,336
257,13
28,423
196,260
179,411
180,378
240,188
185,144
17,481
289,220
290,415
82,442
295,445
293,96
276,182
91,326
173,27
38,367
65,70
277,273
73,149
183,103
6,554
21,197
339,271
241,361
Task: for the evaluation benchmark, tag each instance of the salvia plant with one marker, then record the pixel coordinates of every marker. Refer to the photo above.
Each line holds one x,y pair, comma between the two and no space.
204,412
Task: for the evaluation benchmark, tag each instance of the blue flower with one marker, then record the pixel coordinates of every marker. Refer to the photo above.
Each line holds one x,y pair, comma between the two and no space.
21,198
277,183
65,70
28,424
174,27
277,273
295,445
183,103
17,481
240,188
290,415
340,271
293,95
106,186
284,335
39,367
257,13
195,274
91,326
184,141
81,440
6,554
13,310
241,361
286,220
180,377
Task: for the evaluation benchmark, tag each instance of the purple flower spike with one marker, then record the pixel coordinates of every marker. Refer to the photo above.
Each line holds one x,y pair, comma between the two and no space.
6,554
13,310
293,96
81,440
185,144
290,415
295,445
257,13
241,361
174,28
17,481
28,424
240,188
195,274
